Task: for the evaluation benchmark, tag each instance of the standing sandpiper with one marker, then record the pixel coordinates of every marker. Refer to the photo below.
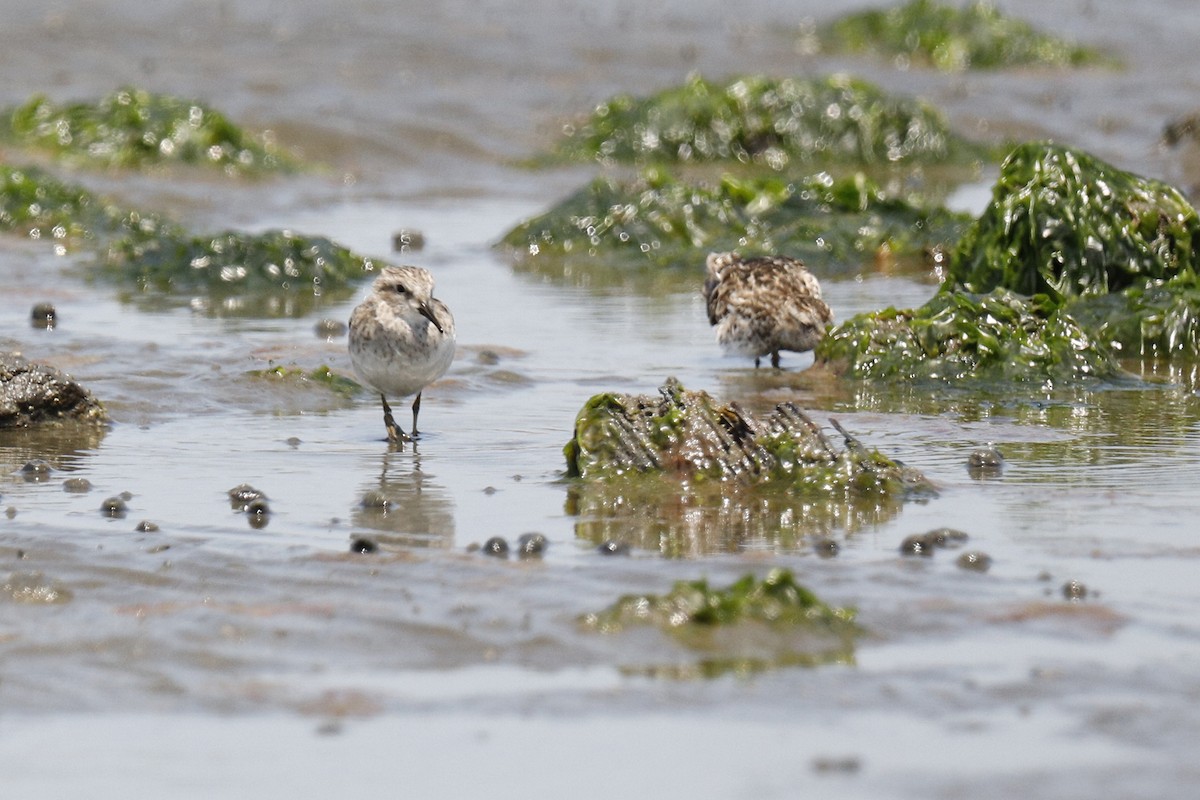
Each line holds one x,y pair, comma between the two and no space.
764,305
401,340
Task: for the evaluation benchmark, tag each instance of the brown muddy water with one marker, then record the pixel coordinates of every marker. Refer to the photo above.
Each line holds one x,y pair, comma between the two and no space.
211,658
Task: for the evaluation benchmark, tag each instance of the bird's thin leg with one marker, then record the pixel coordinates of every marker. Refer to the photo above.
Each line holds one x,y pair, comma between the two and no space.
756,362
395,435
775,359
416,410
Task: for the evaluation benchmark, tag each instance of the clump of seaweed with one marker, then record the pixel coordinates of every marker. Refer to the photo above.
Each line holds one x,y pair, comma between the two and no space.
768,121
749,626
1064,223
614,229
953,39
134,128
1073,263
35,204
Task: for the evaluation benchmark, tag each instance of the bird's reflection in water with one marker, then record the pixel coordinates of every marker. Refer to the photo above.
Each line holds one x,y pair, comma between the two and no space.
404,506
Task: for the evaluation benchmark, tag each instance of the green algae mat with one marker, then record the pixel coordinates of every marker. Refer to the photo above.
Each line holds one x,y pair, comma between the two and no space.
952,38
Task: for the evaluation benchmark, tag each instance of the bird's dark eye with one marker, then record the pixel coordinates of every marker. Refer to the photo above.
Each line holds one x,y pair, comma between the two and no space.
400,289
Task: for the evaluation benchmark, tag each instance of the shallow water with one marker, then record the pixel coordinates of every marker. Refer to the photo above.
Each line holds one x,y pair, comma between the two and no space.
213,657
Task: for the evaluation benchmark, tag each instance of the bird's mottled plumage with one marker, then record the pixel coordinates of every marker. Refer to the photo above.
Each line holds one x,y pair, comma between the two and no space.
401,339
763,305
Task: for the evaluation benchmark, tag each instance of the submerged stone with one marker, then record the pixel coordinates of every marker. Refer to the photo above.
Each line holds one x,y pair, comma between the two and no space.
748,626
952,38
32,394
769,121
134,128
661,227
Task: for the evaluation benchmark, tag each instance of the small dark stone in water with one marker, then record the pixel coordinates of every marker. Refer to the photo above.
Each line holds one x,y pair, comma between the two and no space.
611,547
975,561
330,328
44,316
496,546
826,547
531,545
114,507
407,240
363,545
293,442
985,462
947,537
919,544
36,471
258,521
488,358
241,495
376,500
840,764
1074,590
258,507
126,496
146,526
489,490
10,512
77,485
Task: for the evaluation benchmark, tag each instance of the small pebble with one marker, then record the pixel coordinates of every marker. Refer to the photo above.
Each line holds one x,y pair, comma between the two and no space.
407,240
293,442
114,507
947,537
488,358
612,547
919,544
146,526
489,490
1074,590
531,545
496,546
258,507
36,471
258,521
126,496
985,462
330,329
975,561
44,315
826,547
77,485
363,545
242,494
10,512
376,500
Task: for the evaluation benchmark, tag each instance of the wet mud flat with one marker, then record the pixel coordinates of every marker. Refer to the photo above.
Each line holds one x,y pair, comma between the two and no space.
182,644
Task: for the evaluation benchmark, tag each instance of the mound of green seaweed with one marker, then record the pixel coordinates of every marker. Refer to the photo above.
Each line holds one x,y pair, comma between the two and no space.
254,274
958,337
1073,262
774,122
953,39
612,228
745,627
134,128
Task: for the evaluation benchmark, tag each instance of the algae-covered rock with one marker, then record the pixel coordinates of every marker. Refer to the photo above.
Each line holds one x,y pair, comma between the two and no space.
958,337
774,122
33,394
1064,223
1073,263
747,626
657,227
135,128
950,38
36,204
241,272
689,436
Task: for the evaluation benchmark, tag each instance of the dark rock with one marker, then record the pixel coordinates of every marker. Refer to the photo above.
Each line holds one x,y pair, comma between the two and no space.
826,547
1074,590
114,507
975,561
947,537
919,544
496,546
77,485
531,545
241,495
330,328
407,240
613,548
146,526
44,315
32,394
363,545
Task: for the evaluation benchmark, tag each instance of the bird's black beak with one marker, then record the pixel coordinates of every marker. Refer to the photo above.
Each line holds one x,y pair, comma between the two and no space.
425,311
